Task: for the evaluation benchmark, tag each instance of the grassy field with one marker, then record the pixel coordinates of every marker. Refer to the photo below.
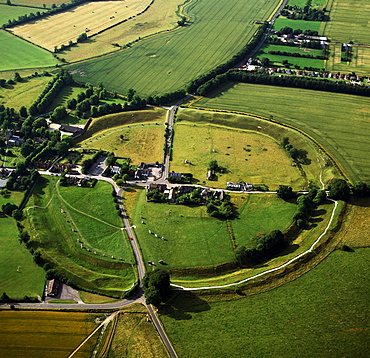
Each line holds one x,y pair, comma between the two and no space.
142,142
136,336
192,237
62,222
19,275
161,16
22,54
40,3
258,129
296,24
12,12
22,93
173,59
248,156
348,22
64,95
360,62
341,129
42,334
324,313
66,26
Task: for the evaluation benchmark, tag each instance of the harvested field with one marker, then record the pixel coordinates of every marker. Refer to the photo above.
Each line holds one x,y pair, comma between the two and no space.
45,334
91,18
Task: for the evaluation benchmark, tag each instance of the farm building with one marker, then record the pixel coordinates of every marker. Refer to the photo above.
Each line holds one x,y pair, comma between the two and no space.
234,186
52,288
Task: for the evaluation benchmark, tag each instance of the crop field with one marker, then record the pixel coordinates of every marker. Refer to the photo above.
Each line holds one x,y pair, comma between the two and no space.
169,61
360,62
349,22
19,275
141,142
161,16
317,114
56,332
296,24
22,54
312,316
258,129
64,224
61,28
22,93
135,335
192,237
248,156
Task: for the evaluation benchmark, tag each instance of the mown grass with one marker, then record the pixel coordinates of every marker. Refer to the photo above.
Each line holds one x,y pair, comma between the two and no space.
51,31
348,22
161,16
19,275
22,93
88,297
134,334
256,128
59,226
174,59
192,237
22,54
142,142
341,129
40,333
296,24
311,316
248,156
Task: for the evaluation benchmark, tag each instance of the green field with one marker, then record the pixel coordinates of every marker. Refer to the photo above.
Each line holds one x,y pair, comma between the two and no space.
296,24
12,12
22,54
324,313
22,93
261,162
348,22
248,156
19,275
64,224
341,129
45,334
169,61
194,239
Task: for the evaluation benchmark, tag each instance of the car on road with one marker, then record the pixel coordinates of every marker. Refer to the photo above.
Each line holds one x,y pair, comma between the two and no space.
131,238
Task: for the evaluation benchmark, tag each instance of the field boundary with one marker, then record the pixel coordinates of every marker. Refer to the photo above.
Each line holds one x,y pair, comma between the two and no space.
339,167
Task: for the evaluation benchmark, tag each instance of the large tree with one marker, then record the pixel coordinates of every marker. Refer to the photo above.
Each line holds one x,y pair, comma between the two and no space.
339,189
156,285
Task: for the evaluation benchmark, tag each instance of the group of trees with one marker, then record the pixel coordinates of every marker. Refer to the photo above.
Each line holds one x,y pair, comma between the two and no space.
306,13
265,247
296,54
222,209
298,155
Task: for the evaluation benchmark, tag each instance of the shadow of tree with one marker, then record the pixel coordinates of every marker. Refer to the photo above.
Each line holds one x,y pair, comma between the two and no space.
183,304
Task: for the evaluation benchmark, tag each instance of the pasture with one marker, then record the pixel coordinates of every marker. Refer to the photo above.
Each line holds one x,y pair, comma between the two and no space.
135,335
348,22
19,275
260,157
66,26
22,93
296,24
161,16
312,316
64,224
341,129
248,156
169,61
360,62
37,3
193,238
141,142
37,334
21,54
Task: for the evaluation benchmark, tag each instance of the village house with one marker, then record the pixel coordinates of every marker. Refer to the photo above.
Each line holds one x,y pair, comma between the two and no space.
52,288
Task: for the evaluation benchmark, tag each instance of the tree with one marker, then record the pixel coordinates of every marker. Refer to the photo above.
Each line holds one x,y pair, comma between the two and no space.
23,112
213,165
17,77
156,285
360,189
339,189
4,298
130,94
285,192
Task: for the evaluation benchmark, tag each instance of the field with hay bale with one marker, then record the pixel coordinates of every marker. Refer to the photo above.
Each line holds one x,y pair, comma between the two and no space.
90,18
